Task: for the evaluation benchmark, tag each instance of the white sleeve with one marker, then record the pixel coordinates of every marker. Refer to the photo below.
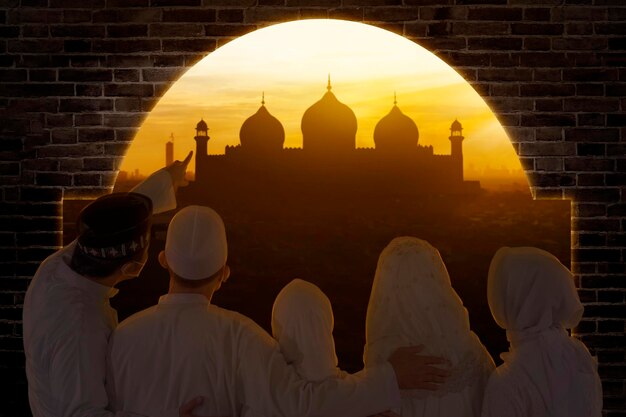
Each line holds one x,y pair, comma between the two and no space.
78,368
273,388
160,189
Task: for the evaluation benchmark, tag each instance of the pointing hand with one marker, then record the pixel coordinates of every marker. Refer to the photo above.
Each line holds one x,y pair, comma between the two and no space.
177,170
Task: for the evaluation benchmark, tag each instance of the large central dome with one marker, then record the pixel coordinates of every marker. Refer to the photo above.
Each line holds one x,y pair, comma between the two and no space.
328,125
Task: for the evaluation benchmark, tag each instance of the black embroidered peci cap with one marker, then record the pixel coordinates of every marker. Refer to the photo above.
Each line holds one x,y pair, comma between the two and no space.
115,226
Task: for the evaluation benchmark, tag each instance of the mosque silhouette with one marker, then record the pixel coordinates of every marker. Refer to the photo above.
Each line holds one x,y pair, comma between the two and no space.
329,161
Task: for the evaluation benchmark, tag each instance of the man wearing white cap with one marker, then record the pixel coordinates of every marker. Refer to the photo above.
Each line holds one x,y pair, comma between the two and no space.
184,347
67,316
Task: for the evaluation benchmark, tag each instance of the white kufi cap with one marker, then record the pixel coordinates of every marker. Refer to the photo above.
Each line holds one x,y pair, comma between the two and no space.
196,243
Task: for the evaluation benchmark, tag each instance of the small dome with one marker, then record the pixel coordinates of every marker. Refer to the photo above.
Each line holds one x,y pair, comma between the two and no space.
396,131
329,125
202,125
456,125
262,131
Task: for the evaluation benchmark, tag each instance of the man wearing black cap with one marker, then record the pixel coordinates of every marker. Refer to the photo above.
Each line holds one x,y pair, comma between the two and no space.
67,316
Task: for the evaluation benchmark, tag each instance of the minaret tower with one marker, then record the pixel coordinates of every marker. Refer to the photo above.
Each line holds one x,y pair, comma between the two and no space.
456,140
202,140
169,151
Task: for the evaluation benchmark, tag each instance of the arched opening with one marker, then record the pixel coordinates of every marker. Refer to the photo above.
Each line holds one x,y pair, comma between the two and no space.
315,174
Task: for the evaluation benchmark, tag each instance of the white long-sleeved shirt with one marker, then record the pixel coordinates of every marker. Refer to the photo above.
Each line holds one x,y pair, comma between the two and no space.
67,322
185,347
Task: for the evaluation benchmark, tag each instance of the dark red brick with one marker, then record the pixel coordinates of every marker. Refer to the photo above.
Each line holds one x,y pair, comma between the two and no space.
230,15
176,30
126,75
495,13
128,15
122,90
586,134
85,75
391,14
547,89
595,195
587,180
175,3
125,45
590,119
189,45
228,30
77,31
127,31
590,149
99,164
189,15
85,104
95,134
589,164
495,43
617,209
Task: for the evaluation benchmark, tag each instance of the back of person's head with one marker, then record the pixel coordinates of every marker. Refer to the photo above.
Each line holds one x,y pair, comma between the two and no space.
529,289
302,323
112,231
196,249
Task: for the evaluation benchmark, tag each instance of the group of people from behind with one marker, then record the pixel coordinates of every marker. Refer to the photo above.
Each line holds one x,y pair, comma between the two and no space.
186,356
532,296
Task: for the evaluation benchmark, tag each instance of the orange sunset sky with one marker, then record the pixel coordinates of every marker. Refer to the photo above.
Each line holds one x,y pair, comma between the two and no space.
290,62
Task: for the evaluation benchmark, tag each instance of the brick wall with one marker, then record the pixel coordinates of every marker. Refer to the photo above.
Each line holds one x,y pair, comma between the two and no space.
77,77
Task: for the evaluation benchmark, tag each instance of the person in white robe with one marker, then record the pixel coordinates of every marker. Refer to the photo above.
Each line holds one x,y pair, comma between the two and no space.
413,302
546,373
302,324
67,318
185,346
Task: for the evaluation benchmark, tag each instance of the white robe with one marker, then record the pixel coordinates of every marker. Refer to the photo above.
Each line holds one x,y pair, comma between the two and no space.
67,322
546,373
185,347
413,303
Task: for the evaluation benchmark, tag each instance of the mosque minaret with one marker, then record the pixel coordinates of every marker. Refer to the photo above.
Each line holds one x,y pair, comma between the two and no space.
202,140
456,141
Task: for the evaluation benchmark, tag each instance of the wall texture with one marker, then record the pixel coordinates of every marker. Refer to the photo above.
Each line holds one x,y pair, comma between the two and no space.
78,77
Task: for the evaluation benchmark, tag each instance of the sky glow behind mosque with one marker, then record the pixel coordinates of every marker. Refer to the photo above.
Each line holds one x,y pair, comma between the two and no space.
290,63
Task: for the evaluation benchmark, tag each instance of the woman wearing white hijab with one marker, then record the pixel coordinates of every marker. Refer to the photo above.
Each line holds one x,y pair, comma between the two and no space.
546,372
413,303
302,323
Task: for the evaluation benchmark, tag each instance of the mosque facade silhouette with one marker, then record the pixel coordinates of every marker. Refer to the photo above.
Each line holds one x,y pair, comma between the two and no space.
329,158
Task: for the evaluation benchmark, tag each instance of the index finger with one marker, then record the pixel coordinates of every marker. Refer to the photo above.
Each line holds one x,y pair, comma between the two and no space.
188,158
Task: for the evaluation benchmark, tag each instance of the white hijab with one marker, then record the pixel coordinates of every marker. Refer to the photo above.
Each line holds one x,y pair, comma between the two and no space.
302,323
532,295
413,303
